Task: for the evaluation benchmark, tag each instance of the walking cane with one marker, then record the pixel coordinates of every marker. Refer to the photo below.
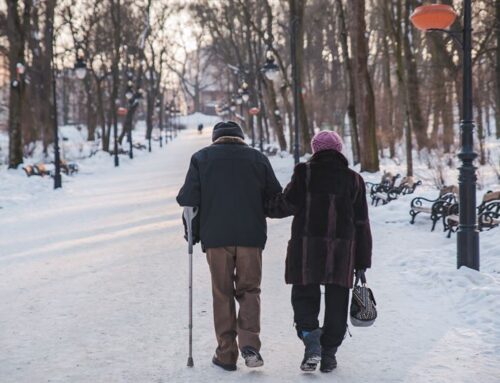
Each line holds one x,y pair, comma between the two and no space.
189,214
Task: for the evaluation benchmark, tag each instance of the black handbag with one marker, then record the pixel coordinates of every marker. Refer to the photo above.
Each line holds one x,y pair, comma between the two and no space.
363,304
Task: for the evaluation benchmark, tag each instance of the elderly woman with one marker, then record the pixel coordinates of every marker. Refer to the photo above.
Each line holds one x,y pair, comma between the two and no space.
331,240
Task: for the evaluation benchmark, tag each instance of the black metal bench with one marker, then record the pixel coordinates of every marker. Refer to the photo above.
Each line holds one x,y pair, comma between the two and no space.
271,151
383,190
488,214
386,194
388,179
437,209
489,211
408,186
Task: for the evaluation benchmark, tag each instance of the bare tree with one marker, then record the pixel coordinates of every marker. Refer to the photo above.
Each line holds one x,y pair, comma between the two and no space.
351,108
497,68
363,87
297,10
18,30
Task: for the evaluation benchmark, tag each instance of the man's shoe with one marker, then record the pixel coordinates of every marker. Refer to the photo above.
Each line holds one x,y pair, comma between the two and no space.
328,359
252,357
227,367
312,352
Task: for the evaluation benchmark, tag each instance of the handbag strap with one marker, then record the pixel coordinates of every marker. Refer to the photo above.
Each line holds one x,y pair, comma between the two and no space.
360,275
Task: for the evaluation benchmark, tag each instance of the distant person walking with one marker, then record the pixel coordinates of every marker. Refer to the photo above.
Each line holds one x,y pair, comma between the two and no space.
331,238
200,128
229,182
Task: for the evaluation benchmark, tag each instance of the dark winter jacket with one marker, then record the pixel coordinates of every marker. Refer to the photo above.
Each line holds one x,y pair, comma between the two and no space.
230,182
330,232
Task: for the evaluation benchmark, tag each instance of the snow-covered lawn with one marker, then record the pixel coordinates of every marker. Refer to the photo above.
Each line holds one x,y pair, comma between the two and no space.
93,288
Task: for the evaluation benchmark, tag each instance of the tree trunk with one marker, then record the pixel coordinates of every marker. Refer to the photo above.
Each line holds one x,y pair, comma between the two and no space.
101,114
363,87
497,70
18,30
297,8
161,115
409,146
351,107
388,127
480,125
487,112
402,118
115,70
276,120
46,117
436,114
289,115
418,124
91,113
36,128
65,98
448,122
150,107
197,96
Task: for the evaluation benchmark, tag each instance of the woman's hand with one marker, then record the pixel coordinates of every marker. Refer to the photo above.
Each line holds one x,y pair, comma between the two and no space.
360,274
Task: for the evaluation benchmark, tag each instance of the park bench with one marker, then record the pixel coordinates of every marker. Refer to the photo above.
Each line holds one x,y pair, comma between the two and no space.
408,186
271,151
42,169
382,191
69,168
138,146
488,214
386,194
388,179
437,209
32,170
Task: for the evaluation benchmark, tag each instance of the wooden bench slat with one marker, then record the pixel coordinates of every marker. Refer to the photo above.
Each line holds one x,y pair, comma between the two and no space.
383,196
423,209
453,217
488,197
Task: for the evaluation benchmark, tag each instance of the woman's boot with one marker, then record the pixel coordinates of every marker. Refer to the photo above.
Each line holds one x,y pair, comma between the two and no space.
312,352
328,359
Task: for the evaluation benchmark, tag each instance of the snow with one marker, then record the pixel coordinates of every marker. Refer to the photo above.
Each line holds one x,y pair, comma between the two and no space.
93,287
197,118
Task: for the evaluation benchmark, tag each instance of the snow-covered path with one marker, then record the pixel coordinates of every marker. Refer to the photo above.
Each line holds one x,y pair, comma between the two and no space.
93,288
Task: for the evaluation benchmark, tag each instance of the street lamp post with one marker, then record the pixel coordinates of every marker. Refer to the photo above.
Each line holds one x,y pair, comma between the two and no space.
115,137
254,112
57,158
239,102
129,95
272,73
80,71
167,132
253,129
245,97
159,108
270,69
173,121
232,107
439,18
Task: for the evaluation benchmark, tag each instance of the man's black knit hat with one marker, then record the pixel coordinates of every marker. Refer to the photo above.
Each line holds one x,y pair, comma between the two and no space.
227,128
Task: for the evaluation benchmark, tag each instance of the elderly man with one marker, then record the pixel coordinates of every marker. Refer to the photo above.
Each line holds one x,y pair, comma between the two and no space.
230,183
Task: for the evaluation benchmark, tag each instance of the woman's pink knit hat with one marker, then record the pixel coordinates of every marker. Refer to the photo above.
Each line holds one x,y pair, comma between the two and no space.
326,140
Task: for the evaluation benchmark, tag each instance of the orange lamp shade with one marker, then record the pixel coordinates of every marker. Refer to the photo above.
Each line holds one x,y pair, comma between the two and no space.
434,16
122,111
254,111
